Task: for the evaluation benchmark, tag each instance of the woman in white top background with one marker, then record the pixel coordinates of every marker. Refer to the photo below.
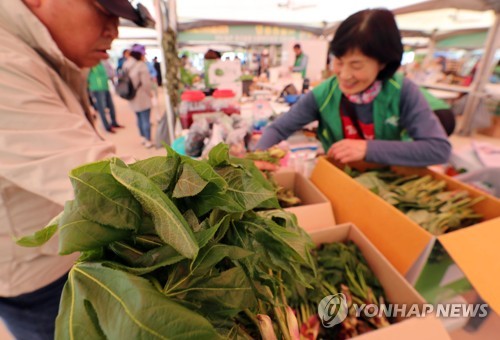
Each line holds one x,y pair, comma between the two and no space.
141,79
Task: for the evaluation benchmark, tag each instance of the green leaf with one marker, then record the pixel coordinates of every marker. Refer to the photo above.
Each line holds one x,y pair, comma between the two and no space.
242,194
420,216
92,255
219,155
205,171
371,181
95,167
159,169
169,223
212,198
147,226
79,234
227,293
127,253
192,220
102,199
281,217
253,171
126,307
204,236
189,183
148,241
42,236
209,257
290,245
148,262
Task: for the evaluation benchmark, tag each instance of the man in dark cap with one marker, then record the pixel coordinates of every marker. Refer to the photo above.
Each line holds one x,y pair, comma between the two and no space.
45,131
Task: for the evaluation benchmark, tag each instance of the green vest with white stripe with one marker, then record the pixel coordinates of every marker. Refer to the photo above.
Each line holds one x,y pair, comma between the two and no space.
385,111
298,61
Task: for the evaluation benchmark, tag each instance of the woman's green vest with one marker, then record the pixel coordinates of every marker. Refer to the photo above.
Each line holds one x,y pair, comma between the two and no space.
385,111
298,61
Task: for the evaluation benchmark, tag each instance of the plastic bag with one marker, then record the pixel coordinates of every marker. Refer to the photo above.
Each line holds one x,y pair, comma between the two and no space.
195,140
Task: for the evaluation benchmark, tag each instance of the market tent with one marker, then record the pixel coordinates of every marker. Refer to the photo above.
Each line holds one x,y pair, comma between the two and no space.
311,13
469,41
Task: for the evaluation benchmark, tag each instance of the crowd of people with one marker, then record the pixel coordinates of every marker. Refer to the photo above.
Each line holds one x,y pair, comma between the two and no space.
145,76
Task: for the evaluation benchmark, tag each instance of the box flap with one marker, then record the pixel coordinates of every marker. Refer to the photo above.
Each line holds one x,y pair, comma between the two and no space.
315,211
401,245
397,289
480,262
411,329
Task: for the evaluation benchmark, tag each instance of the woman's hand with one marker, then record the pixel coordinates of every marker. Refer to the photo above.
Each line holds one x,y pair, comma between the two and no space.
348,150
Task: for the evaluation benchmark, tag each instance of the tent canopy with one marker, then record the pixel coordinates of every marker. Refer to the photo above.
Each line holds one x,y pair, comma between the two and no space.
311,13
440,18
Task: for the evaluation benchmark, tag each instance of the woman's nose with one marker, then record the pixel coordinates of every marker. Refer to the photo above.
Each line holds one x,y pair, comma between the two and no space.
344,73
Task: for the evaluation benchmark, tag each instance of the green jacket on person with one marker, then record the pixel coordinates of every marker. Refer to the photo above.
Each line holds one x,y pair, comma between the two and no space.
98,78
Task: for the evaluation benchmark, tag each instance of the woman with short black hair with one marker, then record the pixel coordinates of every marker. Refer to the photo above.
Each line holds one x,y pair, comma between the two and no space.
367,111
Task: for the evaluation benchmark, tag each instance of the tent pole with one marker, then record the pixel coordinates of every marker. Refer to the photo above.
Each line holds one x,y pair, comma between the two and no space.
161,26
431,49
481,78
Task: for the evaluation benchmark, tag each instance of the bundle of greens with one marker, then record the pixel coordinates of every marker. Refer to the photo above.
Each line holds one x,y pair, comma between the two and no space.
341,269
173,247
273,155
424,200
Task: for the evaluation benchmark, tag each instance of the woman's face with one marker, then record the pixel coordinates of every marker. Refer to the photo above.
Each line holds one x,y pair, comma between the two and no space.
355,71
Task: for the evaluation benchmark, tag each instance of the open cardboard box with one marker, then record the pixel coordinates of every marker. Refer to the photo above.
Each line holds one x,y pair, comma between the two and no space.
474,250
315,211
397,289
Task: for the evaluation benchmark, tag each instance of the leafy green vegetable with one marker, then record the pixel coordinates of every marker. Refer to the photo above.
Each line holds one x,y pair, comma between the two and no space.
139,311
172,248
41,236
79,234
424,200
169,222
189,183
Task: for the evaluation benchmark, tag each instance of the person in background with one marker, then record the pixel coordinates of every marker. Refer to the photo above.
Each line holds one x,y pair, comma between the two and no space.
101,97
110,70
186,76
210,57
151,69
367,111
121,60
264,63
157,68
300,64
45,131
141,79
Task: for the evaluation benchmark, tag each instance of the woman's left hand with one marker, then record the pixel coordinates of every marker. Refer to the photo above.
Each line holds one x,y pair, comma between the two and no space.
348,150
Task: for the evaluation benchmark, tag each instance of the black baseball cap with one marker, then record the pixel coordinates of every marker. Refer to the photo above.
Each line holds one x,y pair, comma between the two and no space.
124,9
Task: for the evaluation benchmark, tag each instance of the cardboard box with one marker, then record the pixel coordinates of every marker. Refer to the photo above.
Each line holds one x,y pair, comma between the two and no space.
408,246
315,210
397,289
